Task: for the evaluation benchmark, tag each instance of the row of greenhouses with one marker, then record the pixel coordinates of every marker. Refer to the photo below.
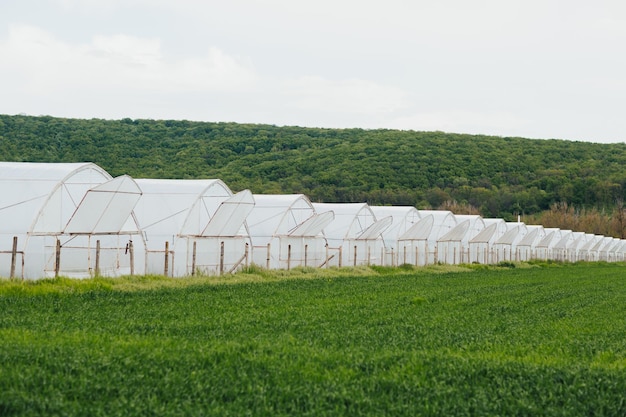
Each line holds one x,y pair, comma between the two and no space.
75,220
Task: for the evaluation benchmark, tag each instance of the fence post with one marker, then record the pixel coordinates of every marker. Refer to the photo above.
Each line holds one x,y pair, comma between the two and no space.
306,255
288,257
354,255
246,253
340,256
131,253
166,264
221,258
97,258
267,260
13,257
57,259
193,258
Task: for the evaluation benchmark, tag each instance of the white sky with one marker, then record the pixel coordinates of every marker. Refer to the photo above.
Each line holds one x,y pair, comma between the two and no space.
531,68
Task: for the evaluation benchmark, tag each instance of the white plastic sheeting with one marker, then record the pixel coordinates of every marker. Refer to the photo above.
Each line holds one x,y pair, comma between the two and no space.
505,248
355,235
544,249
286,231
481,245
187,214
78,204
424,235
453,247
400,247
527,246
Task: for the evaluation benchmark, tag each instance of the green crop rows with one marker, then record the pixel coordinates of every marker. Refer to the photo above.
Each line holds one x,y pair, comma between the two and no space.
533,341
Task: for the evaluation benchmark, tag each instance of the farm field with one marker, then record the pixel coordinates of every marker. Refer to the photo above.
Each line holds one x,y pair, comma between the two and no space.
531,340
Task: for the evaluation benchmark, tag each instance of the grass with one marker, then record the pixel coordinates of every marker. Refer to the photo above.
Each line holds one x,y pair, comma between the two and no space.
522,340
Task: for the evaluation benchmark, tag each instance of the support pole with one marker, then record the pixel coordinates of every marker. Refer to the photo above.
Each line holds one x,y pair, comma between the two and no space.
288,257
222,258
131,253
97,258
193,258
57,259
354,255
13,257
166,263
267,260
306,254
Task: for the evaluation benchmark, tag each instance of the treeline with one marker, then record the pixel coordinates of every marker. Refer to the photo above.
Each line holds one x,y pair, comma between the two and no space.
498,176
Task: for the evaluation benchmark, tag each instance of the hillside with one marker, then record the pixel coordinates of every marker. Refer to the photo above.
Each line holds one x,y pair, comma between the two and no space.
499,176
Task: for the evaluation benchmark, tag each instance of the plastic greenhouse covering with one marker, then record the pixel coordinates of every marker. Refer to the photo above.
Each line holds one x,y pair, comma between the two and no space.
453,247
481,245
74,219
68,219
355,235
191,226
399,247
286,231
526,246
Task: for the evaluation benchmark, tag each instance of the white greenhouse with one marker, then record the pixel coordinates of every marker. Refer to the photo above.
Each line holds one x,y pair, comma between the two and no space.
69,219
192,226
453,247
481,245
527,246
432,226
505,248
286,231
355,234
544,249
560,250
400,236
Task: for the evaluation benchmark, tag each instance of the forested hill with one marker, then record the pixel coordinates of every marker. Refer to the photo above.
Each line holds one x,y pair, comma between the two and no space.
500,176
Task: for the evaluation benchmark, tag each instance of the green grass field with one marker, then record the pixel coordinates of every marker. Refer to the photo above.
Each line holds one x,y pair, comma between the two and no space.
538,340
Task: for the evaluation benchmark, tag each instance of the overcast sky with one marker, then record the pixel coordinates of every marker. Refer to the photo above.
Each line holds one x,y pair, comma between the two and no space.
531,68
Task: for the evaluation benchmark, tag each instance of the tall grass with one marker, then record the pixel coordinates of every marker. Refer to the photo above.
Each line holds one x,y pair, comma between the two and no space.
498,341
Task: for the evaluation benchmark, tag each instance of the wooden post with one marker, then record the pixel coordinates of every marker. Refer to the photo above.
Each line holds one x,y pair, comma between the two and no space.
404,255
246,253
306,255
288,257
369,255
221,258
13,257
340,256
131,253
267,260
57,259
354,255
193,258
166,264
416,258
326,262
97,258
454,256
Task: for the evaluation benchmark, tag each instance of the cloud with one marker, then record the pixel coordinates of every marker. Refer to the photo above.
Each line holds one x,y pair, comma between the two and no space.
349,96
44,64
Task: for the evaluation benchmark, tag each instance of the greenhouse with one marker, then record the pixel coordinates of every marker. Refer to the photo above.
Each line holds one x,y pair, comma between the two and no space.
544,248
560,250
424,235
505,248
355,234
68,219
399,238
453,247
606,250
286,231
527,246
191,226
480,246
